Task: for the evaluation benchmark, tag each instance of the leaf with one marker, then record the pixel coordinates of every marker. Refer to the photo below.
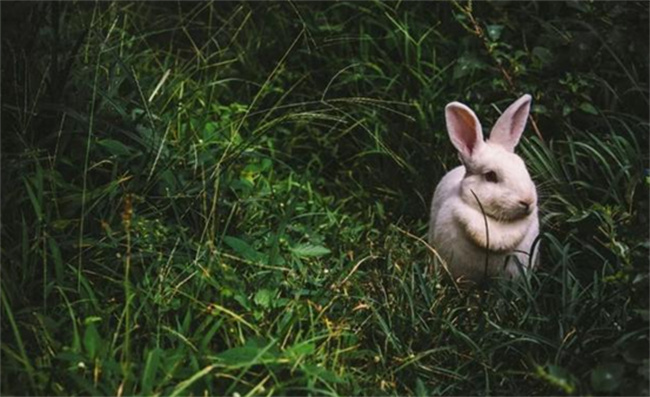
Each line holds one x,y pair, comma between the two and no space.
264,297
558,377
242,300
180,388
243,248
92,320
150,368
309,250
539,109
420,388
114,147
59,269
588,108
466,65
92,341
209,130
252,352
322,373
494,31
35,203
607,377
300,349
579,216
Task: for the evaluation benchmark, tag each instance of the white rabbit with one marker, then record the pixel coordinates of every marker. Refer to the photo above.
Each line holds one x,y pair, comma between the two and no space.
492,186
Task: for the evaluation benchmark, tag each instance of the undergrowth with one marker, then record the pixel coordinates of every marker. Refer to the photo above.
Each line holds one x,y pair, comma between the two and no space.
216,198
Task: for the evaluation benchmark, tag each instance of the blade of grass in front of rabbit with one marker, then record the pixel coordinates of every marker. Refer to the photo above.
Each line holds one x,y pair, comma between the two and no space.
532,259
487,235
485,282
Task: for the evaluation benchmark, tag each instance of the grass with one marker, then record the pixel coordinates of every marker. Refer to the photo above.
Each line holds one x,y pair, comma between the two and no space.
231,198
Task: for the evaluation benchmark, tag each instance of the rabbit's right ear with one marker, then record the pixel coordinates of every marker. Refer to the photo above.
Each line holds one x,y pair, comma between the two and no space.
464,129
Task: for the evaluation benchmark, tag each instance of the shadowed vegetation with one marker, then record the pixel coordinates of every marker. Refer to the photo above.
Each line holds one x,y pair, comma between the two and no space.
216,198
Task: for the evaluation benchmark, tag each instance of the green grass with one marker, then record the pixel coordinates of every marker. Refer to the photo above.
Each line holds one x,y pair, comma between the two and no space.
231,198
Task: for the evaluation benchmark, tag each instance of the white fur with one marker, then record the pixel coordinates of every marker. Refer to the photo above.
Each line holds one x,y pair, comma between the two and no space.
457,229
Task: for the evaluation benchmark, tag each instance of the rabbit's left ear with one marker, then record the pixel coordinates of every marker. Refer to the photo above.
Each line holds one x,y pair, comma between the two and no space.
509,127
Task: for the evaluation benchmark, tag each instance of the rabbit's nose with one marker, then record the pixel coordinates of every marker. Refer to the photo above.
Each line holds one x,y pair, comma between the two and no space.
525,205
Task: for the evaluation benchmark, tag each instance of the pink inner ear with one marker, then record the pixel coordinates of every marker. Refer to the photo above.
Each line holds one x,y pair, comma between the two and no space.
470,131
463,130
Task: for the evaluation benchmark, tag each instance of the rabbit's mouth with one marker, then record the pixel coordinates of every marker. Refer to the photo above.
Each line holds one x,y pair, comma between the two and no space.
512,214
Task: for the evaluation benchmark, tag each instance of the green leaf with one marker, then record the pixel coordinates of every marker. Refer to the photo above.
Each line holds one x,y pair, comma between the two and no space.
300,349
264,297
35,203
252,352
309,250
243,248
494,31
59,269
420,388
539,109
607,377
92,341
114,147
558,377
588,108
180,387
466,65
92,320
150,368
209,129
322,373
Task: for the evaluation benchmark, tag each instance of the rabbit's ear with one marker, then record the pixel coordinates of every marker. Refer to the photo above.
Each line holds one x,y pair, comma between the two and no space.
509,127
464,129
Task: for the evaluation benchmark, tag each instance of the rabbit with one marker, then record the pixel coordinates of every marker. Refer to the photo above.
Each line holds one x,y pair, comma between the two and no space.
491,186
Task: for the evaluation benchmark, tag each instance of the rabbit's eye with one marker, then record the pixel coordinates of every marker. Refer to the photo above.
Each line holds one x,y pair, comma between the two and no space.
491,176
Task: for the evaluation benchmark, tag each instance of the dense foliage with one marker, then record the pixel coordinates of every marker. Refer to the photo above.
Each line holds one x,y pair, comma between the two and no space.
216,198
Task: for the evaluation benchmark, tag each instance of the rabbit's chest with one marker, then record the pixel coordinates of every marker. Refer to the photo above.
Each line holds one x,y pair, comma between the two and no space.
465,259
